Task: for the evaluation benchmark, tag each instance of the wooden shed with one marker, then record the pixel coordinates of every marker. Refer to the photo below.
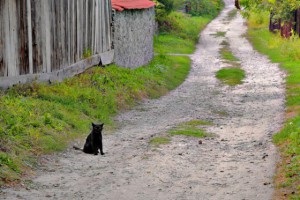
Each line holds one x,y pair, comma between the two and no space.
134,27
49,40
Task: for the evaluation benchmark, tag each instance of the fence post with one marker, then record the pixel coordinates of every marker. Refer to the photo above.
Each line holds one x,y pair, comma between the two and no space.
45,20
29,36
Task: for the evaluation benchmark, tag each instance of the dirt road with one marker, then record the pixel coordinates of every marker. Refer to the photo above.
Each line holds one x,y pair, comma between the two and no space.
236,164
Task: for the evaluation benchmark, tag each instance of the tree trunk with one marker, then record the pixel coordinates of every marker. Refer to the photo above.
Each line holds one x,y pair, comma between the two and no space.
237,4
286,29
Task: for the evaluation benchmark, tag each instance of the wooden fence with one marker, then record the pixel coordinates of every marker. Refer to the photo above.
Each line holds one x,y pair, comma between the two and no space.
52,39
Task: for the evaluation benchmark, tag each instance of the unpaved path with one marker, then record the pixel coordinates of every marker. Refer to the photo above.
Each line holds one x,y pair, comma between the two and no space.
237,164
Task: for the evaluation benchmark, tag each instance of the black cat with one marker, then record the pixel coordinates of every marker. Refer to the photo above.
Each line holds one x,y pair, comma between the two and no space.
93,141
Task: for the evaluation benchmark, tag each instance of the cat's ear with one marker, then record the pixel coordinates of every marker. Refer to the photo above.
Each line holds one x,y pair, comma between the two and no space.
93,124
102,125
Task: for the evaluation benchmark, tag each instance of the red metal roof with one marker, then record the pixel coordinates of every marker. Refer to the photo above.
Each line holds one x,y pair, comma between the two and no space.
120,5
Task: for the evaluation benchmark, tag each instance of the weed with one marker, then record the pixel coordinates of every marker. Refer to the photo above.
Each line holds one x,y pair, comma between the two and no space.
220,34
191,128
87,52
227,54
231,75
157,141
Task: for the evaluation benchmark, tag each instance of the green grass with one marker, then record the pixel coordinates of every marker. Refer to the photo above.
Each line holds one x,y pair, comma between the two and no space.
219,34
157,141
181,35
37,118
231,75
227,54
191,128
287,53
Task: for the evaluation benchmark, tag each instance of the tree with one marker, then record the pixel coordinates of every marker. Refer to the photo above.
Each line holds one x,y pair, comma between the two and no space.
281,11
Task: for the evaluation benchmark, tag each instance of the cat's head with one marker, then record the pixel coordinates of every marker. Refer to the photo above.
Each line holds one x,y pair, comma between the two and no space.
97,127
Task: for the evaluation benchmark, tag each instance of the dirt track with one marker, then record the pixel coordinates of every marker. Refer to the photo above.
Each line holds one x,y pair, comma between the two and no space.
236,164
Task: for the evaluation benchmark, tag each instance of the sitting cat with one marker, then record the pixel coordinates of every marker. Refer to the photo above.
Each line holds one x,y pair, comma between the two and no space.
93,141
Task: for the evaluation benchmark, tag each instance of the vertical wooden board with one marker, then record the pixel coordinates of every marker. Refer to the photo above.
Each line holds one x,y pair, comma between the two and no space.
62,12
105,25
100,27
107,17
53,35
56,50
46,35
91,35
22,34
68,32
2,47
86,15
80,29
37,51
109,35
97,21
73,32
11,38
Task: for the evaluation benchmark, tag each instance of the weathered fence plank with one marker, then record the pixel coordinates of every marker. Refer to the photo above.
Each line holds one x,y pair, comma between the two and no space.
2,64
48,38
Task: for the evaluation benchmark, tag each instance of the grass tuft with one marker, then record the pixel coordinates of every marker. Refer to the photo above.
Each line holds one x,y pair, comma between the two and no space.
157,141
191,128
231,75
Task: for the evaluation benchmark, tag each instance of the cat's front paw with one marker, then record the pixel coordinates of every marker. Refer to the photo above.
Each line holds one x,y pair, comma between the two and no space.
102,153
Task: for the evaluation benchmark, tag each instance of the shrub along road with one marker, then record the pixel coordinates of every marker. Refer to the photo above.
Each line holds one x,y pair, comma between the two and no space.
236,162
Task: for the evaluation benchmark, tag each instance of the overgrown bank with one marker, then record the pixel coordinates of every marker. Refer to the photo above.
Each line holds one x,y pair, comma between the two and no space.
36,118
285,52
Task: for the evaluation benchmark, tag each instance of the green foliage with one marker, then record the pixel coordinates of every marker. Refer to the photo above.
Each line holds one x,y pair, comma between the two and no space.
209,10
205,7
281,9
286,52
182,35
162,9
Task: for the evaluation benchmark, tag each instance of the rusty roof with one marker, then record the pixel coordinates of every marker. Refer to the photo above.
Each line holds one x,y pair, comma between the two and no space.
121,5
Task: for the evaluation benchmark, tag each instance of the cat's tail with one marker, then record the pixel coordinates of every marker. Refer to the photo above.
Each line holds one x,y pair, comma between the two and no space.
77,148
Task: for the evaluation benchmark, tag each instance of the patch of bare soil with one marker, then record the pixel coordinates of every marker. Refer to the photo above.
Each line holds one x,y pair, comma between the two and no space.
238,163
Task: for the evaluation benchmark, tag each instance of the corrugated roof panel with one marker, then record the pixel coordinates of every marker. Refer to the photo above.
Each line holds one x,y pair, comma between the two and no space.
131,4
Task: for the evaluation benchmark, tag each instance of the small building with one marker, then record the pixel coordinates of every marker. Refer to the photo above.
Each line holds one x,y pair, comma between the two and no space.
134,27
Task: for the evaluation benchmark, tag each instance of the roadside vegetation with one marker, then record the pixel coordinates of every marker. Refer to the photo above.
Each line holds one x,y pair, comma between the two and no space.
286,52
39,118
